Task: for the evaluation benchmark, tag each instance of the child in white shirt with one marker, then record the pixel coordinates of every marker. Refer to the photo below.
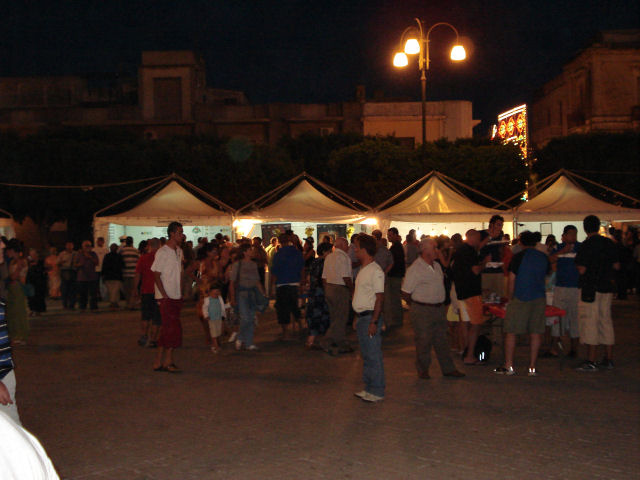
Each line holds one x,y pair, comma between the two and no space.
213,311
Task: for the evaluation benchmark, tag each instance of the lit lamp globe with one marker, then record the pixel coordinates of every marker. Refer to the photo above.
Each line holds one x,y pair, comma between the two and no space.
458,53
412,46
400,60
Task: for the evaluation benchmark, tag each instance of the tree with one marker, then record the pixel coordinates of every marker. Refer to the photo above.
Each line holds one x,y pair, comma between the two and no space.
606,158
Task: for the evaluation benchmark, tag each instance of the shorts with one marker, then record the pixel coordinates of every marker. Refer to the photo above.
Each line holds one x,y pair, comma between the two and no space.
594,319
566,298
493,283
471,310
525,317
149,309
171,331
287,304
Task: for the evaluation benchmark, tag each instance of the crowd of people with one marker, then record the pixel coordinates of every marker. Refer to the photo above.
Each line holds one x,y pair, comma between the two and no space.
363,284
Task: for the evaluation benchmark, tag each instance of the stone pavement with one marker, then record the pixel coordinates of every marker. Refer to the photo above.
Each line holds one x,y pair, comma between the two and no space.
88,392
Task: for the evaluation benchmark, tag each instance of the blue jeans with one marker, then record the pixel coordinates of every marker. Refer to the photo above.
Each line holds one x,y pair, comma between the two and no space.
247,299
371,352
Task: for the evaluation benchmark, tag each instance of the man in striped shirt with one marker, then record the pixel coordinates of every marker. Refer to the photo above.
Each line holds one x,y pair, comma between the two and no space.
7,376
130,256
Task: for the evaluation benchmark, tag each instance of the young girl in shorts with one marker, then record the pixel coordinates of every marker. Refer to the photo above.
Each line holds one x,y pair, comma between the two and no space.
213,311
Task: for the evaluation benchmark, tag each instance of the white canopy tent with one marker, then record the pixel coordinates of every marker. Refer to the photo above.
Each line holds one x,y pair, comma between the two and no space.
6,224
304,202
438,206
565,202
171,200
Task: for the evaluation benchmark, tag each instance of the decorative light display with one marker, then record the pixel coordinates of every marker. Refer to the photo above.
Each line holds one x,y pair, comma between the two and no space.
512,128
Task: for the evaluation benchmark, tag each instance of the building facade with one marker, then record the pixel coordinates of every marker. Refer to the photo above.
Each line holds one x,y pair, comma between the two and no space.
170,97
597,91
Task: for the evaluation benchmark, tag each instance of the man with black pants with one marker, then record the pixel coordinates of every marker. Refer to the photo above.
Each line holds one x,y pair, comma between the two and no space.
288,263
392,295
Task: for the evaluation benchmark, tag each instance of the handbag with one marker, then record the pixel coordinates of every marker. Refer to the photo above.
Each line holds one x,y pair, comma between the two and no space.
588,293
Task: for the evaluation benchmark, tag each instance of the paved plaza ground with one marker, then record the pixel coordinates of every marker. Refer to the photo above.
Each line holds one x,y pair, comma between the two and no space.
88,392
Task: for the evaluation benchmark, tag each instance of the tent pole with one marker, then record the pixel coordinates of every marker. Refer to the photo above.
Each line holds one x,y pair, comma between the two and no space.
342,196
167,178
442,176
270,194
635,200
537,184
378,207
205,194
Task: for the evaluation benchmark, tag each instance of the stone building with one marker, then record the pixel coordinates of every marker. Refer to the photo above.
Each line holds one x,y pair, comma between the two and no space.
170,97
597,91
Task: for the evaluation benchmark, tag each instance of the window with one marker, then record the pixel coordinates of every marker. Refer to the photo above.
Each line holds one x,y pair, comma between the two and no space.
167,98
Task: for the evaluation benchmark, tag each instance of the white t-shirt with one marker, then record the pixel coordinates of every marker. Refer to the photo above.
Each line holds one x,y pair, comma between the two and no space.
424,283
370,280
168,262
100,252
21,455
337,267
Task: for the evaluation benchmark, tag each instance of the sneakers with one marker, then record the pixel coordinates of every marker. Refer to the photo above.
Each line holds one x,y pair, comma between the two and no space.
238,345
532,372
253,348
371,398
587,367
504,371
605,364
215,350
361,394
232,337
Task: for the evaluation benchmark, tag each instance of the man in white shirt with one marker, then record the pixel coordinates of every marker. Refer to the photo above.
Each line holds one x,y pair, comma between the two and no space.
368,298
338,285
423,290
101,250
21,455
167,270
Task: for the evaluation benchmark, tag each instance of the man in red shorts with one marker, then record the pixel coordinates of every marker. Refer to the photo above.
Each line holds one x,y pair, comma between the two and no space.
167,269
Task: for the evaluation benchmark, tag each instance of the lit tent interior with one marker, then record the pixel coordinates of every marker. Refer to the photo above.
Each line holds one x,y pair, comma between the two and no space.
438,206
565,202
172,198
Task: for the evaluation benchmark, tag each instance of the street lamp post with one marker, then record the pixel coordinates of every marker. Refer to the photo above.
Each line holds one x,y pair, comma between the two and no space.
420,46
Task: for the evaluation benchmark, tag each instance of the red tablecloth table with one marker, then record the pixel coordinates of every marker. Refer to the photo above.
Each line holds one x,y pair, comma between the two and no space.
499,310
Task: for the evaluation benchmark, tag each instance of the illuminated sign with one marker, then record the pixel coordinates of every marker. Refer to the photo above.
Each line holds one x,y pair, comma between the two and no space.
512,128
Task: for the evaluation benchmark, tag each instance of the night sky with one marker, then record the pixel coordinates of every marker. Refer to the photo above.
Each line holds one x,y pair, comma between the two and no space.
315,51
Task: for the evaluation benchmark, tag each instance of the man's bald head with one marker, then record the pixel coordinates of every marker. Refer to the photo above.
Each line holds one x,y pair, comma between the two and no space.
472,237
342,244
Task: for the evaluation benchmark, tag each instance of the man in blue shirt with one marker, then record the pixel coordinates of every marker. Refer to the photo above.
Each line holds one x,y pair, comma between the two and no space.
287,270
566,293
526,309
